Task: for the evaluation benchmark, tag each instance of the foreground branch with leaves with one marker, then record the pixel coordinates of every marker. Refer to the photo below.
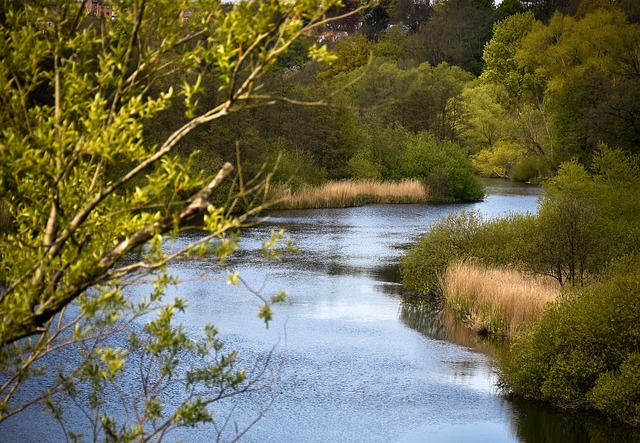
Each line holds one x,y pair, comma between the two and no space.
91,203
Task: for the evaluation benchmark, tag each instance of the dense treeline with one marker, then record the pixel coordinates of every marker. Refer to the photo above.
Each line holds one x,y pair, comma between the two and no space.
513,90
558,89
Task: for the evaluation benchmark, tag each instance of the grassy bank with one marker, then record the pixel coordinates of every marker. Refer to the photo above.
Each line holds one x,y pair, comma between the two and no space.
347,193
496,300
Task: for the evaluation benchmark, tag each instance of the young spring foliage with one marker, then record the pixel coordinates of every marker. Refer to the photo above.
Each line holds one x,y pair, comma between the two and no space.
92,205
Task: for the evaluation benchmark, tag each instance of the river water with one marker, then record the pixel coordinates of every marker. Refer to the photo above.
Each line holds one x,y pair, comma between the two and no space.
357,361
349,358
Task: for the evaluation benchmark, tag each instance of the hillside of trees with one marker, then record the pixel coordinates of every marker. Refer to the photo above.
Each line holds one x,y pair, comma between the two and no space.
511,91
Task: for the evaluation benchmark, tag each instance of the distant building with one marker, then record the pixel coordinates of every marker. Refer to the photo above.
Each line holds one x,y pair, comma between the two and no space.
332,36
97,7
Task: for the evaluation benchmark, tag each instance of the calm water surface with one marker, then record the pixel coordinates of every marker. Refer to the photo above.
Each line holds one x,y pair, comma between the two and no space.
349,358
357,362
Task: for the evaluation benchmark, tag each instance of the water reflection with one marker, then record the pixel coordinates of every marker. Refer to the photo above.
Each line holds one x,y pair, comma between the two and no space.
428,316
530,421
498,186
533,422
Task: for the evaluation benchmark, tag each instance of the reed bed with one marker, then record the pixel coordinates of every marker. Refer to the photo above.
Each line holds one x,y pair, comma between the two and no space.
346,193
496,300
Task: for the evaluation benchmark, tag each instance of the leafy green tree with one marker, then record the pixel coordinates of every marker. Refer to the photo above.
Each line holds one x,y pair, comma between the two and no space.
375,20
391,46
456,34
92,201
504,160
483,119
500,65
570,227
509,7
588,78
351,52
544,9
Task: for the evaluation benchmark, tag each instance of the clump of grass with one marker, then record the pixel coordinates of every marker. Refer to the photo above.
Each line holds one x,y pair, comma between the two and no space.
496,300
346,193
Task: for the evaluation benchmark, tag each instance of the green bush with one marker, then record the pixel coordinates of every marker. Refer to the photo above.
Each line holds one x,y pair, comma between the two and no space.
362,166
583,352
448,240
297,168
443,167
499,160
505,241
463,235
619,391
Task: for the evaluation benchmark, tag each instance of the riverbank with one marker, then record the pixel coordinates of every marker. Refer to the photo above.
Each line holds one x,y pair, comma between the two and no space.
581,351
351,193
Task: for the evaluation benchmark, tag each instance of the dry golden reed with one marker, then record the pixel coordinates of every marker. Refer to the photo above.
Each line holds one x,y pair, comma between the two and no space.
345,193
497,300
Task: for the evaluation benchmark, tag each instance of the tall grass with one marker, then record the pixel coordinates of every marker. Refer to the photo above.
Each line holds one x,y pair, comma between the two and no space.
496,300
346,193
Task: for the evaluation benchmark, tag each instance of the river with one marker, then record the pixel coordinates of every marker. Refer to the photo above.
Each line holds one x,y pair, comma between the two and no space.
351,359
359,363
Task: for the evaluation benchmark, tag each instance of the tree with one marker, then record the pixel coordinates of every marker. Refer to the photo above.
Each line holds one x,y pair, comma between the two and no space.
484,120
375,20
419,99
411,14
456,34
509,7
544,9
92,202
570,227
500,66
587,71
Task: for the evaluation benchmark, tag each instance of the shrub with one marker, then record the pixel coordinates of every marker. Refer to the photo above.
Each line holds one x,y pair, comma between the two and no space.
448,240
619,391
443,167
362,166
295,167
499,160
505,241
583,352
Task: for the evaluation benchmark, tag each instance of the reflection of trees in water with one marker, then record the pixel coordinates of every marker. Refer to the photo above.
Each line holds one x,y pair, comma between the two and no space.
424,315
386,272
531,421
428,316
534,422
